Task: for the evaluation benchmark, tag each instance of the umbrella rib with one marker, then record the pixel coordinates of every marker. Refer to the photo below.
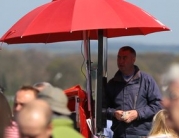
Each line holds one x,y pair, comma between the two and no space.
116,14
72,18
35,18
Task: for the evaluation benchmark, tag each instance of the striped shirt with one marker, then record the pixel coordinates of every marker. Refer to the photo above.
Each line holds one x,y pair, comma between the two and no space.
12,131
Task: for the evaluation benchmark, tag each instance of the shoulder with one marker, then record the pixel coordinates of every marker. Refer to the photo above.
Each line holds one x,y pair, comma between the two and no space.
146,76
149,82
63,128
117,77
111,83
62,121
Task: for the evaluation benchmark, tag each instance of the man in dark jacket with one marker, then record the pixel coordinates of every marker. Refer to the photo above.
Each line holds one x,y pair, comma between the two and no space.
133,98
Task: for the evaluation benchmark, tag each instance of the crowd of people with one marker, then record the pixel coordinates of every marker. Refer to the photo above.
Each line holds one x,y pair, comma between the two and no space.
39,111
136,107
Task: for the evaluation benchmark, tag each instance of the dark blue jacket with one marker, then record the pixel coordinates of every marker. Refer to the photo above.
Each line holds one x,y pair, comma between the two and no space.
141,93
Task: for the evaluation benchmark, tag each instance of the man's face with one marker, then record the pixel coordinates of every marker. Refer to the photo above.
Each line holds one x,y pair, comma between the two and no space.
165,102
125,60
174,104
22,97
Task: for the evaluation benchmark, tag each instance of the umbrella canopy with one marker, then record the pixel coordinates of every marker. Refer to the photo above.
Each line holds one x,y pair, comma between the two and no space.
63,20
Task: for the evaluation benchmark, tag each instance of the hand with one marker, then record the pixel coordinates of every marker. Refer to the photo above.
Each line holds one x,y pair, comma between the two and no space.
132,115
118,114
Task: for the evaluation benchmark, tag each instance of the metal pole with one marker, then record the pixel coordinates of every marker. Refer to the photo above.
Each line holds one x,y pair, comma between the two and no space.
88,83
86,51
105,52
105,57
98,113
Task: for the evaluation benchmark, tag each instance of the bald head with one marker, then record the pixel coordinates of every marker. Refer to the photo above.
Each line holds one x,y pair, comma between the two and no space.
34,120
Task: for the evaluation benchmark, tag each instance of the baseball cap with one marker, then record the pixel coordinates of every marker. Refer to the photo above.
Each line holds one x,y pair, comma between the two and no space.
56,98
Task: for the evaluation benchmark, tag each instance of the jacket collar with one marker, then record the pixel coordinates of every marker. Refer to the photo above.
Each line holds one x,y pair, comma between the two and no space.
118,76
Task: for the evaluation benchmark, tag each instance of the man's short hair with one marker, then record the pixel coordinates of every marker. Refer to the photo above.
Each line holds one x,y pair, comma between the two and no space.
31,88
128,48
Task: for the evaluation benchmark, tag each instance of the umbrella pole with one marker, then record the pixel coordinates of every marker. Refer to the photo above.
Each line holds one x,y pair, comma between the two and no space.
101,81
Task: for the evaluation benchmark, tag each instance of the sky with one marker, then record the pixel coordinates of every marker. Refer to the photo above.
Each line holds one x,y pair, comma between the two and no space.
165,11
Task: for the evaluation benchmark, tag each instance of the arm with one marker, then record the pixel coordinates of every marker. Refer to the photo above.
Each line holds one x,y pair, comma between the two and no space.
153,100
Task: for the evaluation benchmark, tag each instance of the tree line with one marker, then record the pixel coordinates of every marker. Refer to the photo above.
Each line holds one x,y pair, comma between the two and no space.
19,67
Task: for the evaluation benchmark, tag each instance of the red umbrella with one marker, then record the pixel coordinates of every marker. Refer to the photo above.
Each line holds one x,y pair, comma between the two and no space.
63,20
66,20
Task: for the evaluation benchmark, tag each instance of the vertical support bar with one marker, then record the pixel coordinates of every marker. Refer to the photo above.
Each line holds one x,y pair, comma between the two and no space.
86,51
88,75
105,49
105,55
98,113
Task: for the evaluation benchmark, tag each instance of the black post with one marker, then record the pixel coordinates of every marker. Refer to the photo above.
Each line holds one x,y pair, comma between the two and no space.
100,120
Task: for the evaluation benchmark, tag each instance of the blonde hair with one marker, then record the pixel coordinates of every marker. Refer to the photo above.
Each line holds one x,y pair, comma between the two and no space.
159,125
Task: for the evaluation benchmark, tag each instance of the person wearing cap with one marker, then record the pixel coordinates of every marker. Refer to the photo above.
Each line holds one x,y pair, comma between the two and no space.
58,101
